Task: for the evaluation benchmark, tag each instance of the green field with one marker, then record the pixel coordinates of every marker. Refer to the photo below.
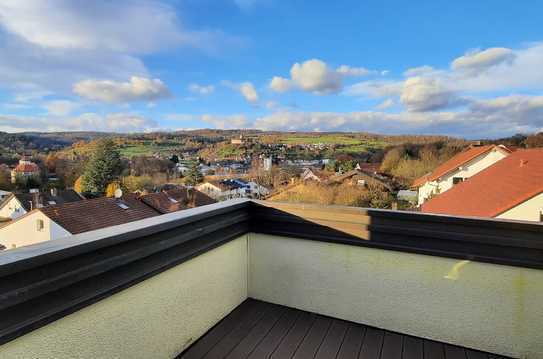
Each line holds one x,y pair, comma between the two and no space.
326,139
145,149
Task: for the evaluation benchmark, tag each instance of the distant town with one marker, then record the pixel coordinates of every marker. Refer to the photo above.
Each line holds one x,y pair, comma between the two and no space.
54,185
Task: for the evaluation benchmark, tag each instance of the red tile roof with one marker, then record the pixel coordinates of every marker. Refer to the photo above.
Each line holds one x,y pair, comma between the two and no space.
27,167
88,215
176,200
455,162
496,189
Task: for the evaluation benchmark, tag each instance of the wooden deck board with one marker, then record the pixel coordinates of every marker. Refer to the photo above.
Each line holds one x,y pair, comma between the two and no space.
260,330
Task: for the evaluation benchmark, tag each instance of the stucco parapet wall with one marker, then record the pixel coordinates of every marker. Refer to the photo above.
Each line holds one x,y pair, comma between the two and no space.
43,282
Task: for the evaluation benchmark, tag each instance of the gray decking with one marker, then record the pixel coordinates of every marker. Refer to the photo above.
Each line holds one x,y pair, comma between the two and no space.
257,329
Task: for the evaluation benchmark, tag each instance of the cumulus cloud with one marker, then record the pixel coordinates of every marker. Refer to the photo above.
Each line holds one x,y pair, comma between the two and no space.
280,84
137,89
60,107
248,91
481,60
226,122
201,89
316,76
426,94
115,122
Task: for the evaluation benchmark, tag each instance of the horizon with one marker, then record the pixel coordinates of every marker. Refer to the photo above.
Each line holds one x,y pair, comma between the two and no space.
462,69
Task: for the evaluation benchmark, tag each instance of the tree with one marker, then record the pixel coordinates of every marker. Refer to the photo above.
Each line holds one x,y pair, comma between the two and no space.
103,168
194,176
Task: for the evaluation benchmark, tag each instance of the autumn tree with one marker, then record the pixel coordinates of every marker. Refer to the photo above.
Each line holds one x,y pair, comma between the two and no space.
103,168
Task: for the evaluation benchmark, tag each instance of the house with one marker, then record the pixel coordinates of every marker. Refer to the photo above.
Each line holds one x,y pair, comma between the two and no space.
252,279
225,189
176,199
25,169
3,195
53,222
312,174
510,189
361,178
238,141
457,169
17,204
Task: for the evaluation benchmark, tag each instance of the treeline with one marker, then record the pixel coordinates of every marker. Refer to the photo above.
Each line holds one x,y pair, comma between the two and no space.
409,161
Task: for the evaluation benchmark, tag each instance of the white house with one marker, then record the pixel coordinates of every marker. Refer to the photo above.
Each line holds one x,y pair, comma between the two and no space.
459,168
509,189
13,207
54,222
33,227
232,188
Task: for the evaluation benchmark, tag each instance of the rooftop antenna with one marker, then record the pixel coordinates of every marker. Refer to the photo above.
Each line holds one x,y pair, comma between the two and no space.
118,193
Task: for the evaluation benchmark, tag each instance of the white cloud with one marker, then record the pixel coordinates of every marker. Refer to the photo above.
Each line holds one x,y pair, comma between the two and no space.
375,89
481,60
137,89
482,119
226,122
115,122
280,84
419,71
60,107
132,26
50,45
315,76
353,71
426,94
201,89
388,103
248,91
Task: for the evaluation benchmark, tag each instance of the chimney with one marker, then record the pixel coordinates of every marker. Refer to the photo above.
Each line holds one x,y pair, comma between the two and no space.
523,162
36,200
191,198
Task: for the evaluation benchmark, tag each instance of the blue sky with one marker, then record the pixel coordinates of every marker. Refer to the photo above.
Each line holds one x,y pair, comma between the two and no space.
461,68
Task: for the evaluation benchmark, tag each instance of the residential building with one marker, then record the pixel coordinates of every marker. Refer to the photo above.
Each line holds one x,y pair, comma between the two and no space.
313,174
225,189
25,169
458,169
510,189
54,222
176,199
251,279
361,178
17,204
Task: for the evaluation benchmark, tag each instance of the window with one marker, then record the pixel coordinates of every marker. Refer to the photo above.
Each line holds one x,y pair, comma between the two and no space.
39,225
457,180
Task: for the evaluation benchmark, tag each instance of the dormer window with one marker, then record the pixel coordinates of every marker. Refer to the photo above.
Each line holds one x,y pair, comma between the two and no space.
457,180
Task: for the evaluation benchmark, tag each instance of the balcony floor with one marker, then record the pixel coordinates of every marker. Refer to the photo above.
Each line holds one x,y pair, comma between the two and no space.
257,329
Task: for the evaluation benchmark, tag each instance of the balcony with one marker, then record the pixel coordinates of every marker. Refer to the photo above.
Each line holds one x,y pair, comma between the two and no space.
250,279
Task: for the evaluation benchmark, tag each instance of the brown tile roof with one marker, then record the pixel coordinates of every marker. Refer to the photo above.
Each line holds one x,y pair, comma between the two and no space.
45,198
176,199
494,190
455,162
88,215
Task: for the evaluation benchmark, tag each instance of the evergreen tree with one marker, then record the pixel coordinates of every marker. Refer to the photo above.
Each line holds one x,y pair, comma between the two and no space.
194,176
103,168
